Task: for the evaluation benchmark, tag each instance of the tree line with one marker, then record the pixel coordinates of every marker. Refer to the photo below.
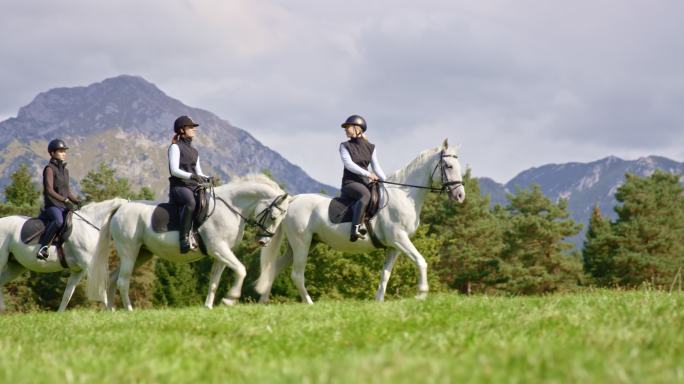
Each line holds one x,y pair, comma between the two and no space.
472,248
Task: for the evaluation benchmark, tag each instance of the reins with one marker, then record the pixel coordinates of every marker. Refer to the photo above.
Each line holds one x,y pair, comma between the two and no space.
261,218
446,184
84,219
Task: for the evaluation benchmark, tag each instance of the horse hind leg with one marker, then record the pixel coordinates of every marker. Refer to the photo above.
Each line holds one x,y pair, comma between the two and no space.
144,256
10,271
281,263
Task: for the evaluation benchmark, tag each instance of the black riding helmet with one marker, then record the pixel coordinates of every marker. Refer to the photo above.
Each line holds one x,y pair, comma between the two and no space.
56,144
355,120
183,121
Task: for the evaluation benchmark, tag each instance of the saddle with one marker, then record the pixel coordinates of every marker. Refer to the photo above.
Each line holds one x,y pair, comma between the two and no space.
339,210
34,227
166,217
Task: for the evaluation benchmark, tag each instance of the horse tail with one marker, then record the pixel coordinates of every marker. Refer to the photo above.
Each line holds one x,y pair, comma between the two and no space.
268,256
98,268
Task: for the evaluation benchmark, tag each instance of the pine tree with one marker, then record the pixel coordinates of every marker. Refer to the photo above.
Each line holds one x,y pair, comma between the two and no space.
472,239
535,255
22,191
650,229
599,249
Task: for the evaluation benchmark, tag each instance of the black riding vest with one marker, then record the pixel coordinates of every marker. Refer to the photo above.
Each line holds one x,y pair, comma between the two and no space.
60,183
361,152
187,163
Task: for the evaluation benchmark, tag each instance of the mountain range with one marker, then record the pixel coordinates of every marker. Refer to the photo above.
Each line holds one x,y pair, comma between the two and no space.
126,122
584,185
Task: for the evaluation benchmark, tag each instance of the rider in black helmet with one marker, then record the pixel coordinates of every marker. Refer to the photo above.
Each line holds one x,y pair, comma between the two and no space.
357,154
57,195
186,174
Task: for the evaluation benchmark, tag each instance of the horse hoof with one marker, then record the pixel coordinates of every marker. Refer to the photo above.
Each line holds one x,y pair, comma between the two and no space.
228,301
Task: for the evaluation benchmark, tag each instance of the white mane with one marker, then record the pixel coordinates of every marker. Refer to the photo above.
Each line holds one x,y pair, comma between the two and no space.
245,181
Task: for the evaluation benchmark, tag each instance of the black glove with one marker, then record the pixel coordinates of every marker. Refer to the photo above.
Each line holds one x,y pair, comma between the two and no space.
79,204
196,177
70,205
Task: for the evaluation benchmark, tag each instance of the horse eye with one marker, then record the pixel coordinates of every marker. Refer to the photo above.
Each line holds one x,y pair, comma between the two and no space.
449,166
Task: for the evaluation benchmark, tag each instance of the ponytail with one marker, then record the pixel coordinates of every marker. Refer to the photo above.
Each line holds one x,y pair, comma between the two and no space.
175,139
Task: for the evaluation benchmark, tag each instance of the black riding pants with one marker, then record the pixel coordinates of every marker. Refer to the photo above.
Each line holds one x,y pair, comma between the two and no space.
185,198
361,194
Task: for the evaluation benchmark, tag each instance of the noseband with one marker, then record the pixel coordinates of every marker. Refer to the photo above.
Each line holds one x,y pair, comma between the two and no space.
447,185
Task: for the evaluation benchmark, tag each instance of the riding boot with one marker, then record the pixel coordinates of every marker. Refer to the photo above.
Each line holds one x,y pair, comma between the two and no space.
46,239
185,227
357,214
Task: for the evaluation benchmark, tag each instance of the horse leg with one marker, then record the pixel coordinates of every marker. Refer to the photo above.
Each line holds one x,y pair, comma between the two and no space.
74,279
128,255
111,288
11,272
217,268
300,252
143,257
404,244
390,258
225,256
283,261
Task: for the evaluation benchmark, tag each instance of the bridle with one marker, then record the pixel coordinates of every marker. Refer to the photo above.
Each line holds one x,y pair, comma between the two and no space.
447,185
260,219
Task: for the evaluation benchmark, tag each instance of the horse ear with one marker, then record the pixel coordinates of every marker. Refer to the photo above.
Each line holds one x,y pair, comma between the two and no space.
445,144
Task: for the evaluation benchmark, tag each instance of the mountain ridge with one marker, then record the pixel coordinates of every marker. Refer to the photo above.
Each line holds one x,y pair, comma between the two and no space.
138,116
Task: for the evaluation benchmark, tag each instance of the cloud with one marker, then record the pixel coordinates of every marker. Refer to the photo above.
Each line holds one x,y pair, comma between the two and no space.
517,84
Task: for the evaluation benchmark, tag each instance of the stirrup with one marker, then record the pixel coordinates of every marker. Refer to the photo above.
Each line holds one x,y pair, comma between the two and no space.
43,253
357,234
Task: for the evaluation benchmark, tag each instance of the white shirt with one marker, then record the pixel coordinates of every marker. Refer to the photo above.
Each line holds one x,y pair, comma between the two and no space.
174,164
351,166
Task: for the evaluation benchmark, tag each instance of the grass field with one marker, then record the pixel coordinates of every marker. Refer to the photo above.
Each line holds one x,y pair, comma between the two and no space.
593,337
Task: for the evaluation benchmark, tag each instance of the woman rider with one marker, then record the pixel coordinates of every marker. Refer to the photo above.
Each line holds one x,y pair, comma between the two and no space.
186,174
357,153
57,196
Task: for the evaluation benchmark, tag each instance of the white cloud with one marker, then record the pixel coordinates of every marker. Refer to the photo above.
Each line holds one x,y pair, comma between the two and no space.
517,84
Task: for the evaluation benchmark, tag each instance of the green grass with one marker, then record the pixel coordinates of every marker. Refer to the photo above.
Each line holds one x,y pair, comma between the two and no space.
592,337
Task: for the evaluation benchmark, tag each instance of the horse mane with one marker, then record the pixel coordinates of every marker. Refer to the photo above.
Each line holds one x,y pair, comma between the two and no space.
403,173
242,181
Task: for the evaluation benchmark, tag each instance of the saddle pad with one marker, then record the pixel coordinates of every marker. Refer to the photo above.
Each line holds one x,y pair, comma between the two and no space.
31,230
339,210
165,218
34,227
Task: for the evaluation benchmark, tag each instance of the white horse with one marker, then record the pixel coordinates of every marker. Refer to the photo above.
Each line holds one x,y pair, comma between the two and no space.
136,242
86,251
393,225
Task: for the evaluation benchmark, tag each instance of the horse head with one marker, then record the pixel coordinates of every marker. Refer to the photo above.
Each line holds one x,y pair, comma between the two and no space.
448,172
271,214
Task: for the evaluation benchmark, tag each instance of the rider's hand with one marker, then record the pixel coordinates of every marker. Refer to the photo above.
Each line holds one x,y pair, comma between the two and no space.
373,177
197,178
70,204
210,179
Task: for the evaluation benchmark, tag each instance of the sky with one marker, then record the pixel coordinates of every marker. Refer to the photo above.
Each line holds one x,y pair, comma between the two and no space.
513,84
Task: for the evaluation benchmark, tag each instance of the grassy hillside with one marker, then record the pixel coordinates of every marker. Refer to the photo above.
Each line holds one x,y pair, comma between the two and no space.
599,336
